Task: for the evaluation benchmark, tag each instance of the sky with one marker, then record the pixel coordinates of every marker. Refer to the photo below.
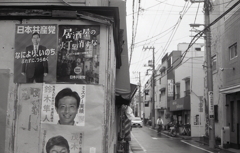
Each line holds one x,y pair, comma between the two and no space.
161,24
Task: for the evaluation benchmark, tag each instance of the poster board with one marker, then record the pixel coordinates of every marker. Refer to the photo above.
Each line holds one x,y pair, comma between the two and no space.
33,133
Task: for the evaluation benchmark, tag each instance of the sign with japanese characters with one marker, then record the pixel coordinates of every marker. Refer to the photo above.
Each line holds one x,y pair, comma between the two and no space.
63,104
211,105
170,87
78,54
28,115
35,53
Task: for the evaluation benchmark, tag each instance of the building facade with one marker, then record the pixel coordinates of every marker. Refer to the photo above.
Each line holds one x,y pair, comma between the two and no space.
226,72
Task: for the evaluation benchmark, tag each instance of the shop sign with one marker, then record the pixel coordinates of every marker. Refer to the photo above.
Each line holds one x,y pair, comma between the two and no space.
170,87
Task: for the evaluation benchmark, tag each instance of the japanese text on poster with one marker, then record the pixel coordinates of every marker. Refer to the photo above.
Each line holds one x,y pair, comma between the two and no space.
78,54
64,104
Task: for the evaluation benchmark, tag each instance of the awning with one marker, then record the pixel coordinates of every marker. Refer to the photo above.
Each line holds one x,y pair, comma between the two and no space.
231,89
122,74
186,78
180,104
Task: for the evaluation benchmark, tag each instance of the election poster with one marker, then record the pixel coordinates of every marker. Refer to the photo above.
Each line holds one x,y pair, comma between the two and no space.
78,137
63,104
70,113
35,54
28,117
58,139
78,54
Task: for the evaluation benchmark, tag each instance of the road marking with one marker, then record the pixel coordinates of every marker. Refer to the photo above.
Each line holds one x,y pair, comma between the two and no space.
196,146
138,142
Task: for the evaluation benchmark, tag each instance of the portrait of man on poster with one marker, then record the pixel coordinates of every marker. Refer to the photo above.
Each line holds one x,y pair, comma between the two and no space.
57,144
66,104
35,65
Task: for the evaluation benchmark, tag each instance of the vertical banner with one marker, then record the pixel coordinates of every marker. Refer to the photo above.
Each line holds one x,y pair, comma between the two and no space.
170,87
28,114
78,54
57,109
35,53
211,105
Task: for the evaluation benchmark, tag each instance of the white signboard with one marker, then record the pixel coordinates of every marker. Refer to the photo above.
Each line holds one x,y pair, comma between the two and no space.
170,87
211,106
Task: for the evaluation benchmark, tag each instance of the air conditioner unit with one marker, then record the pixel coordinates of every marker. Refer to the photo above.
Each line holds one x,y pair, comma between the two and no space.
225,137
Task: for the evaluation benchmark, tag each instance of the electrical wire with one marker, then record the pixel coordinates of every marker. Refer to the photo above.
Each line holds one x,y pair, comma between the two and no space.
185,9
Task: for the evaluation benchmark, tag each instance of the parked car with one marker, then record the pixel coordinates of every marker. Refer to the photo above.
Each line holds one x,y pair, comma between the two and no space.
137,121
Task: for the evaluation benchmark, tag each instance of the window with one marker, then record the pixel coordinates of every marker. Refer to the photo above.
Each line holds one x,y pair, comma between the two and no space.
146,103
187,87
160,95
163,92
214,62
170,61
233,51
162,73
187,84
160,80
177,96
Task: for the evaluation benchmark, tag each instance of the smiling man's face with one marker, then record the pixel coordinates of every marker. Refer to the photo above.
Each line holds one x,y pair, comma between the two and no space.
67,110
58,149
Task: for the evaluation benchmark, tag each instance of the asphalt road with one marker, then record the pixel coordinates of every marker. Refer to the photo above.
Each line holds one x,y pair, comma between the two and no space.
146,140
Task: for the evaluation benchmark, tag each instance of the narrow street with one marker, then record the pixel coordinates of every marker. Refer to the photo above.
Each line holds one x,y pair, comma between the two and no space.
146,140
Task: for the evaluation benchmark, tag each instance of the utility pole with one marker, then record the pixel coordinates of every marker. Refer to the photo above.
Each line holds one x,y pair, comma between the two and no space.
210,104
139,93
153,85
209,111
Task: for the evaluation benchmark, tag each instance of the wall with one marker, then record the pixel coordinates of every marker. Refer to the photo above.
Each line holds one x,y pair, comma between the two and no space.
231,77
217,34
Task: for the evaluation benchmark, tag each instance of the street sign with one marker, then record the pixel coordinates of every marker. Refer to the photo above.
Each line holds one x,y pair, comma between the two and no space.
211,106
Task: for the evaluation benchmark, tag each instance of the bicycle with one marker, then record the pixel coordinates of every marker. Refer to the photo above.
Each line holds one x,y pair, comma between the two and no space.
159,129
186,130
173,131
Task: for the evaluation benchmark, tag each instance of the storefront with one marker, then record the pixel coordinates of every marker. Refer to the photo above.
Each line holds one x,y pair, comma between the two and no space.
180,109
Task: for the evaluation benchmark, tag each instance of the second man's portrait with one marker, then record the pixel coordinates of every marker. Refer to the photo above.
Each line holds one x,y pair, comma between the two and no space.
67,104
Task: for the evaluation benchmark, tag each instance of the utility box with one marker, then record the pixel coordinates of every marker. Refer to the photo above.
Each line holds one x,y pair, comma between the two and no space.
225,137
